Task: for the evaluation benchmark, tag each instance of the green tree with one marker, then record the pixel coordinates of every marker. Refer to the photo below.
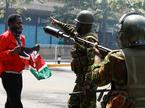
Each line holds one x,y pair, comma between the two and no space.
71,8
107,10
6,5
68,13
119,7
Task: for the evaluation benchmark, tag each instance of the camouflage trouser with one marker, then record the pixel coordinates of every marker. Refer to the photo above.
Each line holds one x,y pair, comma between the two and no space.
81,101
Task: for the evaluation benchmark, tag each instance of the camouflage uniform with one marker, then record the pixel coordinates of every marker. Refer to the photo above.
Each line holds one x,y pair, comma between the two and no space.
82,63
117,69
111,70
124,68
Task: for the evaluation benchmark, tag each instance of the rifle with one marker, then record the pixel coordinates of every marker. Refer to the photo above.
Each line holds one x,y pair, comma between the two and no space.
59,34
101,91
81,92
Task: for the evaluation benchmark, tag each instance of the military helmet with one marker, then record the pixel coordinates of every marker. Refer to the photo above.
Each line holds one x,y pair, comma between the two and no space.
131,29
85,17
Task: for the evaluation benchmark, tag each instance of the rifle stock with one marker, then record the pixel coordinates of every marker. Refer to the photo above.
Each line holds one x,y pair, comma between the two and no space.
81,92
59,34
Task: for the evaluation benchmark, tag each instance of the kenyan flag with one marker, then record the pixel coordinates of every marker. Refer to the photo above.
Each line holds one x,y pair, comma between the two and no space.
42,74
39,68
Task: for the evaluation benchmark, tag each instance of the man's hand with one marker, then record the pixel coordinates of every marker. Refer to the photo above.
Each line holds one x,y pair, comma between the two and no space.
96,50
30,50
16,50
36,48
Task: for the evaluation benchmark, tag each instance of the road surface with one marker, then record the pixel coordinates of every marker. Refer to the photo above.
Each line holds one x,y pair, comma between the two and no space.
48,93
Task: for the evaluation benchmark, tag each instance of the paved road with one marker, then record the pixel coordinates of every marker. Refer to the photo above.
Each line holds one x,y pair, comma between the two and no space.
49,93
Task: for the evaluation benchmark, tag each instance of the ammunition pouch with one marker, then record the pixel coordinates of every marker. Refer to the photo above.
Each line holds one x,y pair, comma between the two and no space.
83,58
80,79
79,68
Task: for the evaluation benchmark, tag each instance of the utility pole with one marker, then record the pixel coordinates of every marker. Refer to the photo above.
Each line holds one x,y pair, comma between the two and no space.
93,4
103,21
6,13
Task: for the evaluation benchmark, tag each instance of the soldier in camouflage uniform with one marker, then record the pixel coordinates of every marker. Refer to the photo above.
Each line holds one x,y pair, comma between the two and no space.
124,68
83,59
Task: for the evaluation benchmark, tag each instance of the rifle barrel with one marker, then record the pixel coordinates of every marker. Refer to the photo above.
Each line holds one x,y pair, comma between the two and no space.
59,34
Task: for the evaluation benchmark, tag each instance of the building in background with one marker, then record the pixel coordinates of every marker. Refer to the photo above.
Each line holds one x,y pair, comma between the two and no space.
35,17
37,12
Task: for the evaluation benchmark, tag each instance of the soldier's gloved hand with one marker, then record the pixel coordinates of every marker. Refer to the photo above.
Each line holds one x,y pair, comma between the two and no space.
54,21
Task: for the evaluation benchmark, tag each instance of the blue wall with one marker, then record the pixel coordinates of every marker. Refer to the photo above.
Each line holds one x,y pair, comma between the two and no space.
2,28
29,32
33,37
44,38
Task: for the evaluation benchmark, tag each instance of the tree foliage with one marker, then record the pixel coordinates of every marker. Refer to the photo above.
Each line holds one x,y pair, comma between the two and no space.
120,7
70,9
5,5
113,8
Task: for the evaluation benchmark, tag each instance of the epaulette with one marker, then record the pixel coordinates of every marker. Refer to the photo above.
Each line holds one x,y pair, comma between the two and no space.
116,54
92,36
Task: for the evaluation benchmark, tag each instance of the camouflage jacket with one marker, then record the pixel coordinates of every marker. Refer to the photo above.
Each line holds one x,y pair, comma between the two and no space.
83,57
111,70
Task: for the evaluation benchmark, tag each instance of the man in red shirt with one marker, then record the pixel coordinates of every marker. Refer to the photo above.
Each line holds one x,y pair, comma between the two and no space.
11,65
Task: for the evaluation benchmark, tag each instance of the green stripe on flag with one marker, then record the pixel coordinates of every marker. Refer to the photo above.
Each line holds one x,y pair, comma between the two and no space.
43,74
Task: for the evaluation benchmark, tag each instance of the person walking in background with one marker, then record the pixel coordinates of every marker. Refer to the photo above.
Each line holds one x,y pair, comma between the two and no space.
11,63
83,58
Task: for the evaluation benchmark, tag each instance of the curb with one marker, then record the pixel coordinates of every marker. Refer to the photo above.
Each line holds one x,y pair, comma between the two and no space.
58,65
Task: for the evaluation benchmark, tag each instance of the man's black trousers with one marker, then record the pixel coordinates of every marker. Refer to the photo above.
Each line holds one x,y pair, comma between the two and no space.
12,84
